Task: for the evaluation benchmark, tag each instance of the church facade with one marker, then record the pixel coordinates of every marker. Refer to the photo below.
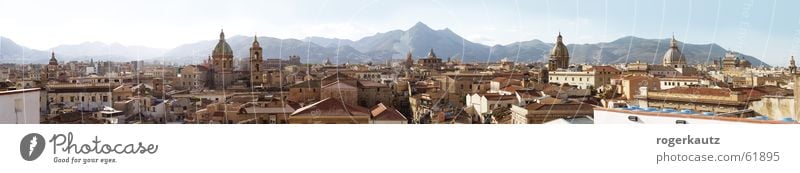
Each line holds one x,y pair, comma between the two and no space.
221,65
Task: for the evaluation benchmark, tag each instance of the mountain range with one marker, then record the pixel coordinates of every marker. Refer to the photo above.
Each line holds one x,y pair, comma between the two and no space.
418,39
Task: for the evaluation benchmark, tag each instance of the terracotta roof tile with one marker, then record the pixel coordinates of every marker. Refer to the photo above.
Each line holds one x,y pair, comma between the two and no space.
382,112
370,84
306,84
603,68
331,107
700,91
338,84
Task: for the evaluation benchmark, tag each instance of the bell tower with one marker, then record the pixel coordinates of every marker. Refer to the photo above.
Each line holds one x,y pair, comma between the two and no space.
256,63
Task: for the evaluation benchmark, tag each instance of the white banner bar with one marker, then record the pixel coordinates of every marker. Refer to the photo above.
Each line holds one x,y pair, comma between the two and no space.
401,148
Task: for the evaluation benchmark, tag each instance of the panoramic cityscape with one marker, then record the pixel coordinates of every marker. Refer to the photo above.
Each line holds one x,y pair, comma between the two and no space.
414,75
399,85
416,89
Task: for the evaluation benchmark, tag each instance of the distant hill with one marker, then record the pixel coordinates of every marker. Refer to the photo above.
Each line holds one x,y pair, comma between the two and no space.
647,50
625,49
418,39
103,51
11,52
329,42
273,48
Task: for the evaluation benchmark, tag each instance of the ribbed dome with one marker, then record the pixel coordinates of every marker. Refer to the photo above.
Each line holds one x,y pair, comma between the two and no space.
559,55
559,50
53,60
222,47
674,55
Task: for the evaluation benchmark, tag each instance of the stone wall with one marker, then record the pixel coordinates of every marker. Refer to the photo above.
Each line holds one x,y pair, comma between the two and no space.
775,107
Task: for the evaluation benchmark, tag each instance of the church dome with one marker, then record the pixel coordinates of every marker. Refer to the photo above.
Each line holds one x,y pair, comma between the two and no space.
222,47
53,60
674,55
559,50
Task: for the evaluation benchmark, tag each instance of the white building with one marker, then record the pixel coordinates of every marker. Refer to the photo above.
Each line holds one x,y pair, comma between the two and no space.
623,116
388,78
580,79
157,108
592,77
82,97
90,70
672,82
20,106
487,102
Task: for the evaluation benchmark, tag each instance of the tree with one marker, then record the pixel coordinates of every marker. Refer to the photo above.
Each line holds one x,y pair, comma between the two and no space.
501,113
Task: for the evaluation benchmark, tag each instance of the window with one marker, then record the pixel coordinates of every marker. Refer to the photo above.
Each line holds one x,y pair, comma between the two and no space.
93,99
105,98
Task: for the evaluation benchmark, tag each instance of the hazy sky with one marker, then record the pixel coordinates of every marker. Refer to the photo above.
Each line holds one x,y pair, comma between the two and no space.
766,29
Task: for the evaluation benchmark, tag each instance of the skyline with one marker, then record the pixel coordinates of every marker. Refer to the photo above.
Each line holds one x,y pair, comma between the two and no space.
748,27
